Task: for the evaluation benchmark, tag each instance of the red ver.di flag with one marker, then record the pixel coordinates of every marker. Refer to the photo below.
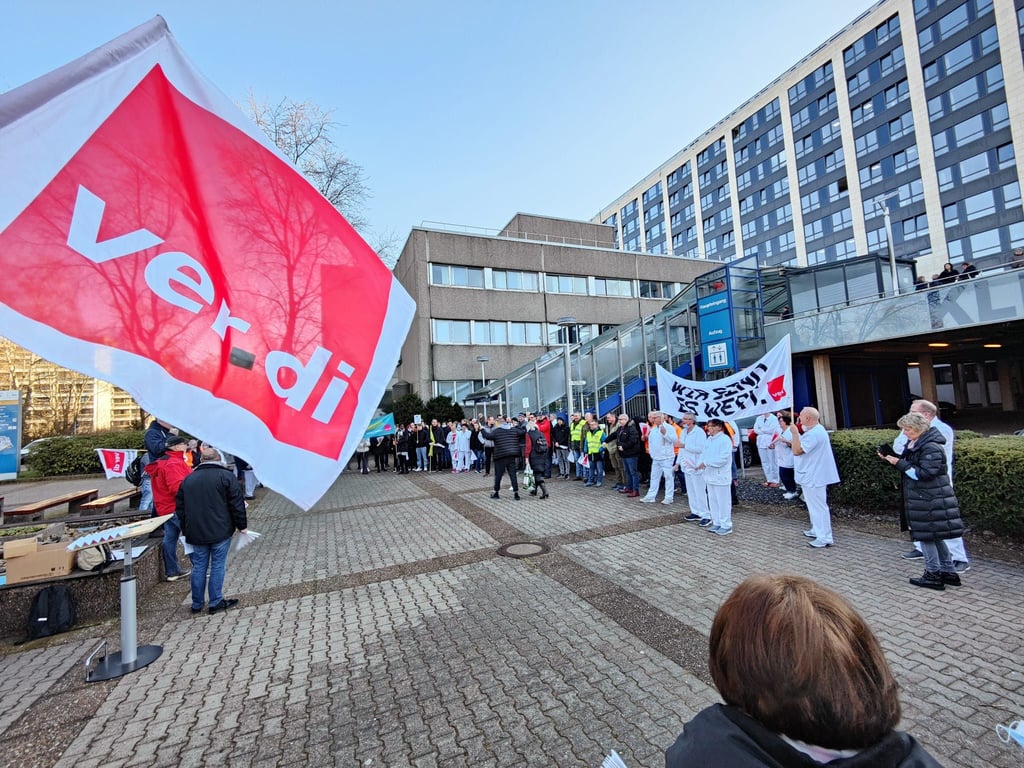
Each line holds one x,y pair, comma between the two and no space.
767,385
151,236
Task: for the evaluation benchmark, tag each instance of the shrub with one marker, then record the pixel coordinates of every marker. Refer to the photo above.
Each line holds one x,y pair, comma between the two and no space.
987,480
77,455
407,406
443,409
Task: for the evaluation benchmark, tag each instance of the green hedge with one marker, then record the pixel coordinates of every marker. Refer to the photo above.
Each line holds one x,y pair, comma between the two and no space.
77,455
986,472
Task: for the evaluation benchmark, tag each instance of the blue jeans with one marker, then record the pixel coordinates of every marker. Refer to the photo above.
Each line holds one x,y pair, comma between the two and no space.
480,457
595,473
936,556
214,557
146,503
172,530
421,457
632,475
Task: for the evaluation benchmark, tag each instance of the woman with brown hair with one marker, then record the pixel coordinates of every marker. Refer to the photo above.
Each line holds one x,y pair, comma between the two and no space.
804,682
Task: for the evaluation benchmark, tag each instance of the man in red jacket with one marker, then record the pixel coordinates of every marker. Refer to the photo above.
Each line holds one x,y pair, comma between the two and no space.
166,475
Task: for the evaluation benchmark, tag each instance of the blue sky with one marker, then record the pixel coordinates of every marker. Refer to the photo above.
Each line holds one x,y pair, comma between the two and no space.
468,112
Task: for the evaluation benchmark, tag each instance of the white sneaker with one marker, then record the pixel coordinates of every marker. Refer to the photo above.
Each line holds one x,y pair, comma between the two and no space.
789,496
647,500
666,501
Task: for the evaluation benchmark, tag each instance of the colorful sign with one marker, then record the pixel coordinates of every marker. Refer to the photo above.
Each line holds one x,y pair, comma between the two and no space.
10,434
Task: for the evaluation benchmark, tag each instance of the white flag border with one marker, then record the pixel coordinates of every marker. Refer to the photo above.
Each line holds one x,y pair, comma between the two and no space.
41,143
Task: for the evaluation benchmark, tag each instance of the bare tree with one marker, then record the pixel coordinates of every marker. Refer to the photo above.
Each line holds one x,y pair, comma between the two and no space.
302,131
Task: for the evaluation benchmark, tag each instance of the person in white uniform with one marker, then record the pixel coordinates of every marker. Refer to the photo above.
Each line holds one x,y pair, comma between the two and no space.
716,463
661,443
766,427
690,450
815,468
930,411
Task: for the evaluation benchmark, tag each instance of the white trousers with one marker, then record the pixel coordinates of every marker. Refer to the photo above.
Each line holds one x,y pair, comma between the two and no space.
955,547
770,464
697,494
720,502
662,468
817,508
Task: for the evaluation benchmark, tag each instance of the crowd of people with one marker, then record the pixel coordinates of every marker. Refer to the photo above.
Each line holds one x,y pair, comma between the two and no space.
699,460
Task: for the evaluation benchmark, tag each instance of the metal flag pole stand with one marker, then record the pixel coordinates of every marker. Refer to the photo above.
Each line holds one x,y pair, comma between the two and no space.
131,657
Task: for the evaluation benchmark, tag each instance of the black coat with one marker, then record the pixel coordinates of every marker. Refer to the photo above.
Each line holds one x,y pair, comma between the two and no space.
629,441
538,458
559,434
506,441
724,737
931,508
210,505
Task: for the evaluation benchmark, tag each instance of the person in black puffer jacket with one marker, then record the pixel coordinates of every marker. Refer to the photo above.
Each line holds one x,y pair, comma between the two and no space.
538,457
507,451
930,508
560,445
805,683
630,448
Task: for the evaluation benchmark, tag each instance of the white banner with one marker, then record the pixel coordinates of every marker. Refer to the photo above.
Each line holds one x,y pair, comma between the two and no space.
767,385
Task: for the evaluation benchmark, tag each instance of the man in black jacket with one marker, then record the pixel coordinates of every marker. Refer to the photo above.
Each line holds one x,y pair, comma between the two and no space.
210,507
506,452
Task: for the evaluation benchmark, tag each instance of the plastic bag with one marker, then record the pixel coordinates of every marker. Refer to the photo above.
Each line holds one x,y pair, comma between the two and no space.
529,481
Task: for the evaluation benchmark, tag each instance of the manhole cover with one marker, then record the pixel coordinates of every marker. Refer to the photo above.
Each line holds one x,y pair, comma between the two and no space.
524,549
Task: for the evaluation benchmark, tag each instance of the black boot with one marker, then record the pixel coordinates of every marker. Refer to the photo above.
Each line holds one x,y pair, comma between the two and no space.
533,492
515,495
543,491
952,578
495,495
930,580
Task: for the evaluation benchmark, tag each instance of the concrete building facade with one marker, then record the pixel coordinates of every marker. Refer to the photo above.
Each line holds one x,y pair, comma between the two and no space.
501,296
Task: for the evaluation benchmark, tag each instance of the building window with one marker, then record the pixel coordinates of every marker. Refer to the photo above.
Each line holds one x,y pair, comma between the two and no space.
490,332
524,333
510,280
451,331
457,276
611,287
567,283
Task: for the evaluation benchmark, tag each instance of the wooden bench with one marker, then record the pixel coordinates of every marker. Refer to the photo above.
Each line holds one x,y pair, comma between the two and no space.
38,510
106,504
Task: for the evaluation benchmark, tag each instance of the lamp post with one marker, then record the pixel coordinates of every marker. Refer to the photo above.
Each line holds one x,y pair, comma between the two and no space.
483,376
566,323
888,239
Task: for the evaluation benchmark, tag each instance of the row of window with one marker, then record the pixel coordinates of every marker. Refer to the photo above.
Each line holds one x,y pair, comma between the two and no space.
988,243
966,53
902,196
781,215
774,163
881,102
817,138
838,221
814,110
514,280
817,79
679,174
985,203
889,166
772,248
897,128
835,252
875,71
502,332
710,153
763,116
967,92
832,161
971,129
888,29
654,193
830,193
952,22
976,167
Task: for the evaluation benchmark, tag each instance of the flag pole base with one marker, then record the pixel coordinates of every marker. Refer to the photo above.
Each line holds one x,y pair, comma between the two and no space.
112,666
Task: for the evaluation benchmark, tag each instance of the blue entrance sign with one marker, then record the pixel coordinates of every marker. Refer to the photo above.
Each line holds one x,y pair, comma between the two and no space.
10,434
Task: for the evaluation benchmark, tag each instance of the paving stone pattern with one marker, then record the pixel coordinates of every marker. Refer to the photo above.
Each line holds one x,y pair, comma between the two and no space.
380,628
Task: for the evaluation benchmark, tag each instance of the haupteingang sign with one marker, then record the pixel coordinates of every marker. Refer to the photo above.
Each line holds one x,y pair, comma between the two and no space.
767,385
153,237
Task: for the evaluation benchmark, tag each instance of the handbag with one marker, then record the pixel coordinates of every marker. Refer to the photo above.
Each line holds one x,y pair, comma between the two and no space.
529,481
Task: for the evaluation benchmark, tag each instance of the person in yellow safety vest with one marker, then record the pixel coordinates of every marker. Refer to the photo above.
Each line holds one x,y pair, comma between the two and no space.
575,440
593,436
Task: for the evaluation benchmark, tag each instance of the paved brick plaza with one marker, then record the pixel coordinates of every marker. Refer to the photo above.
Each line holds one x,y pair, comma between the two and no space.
382,629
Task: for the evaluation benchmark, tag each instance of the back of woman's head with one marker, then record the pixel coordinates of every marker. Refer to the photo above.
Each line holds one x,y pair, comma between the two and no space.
797,657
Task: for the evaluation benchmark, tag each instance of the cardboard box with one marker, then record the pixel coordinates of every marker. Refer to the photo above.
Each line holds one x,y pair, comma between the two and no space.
38,561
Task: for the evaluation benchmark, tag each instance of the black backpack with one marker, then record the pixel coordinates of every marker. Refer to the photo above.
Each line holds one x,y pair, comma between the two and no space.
52,612
133,472
539,443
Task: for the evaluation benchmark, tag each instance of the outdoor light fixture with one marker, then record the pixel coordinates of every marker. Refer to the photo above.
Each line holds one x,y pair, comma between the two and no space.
993,346
938,344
